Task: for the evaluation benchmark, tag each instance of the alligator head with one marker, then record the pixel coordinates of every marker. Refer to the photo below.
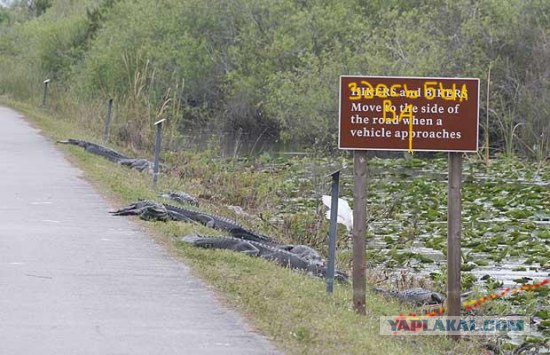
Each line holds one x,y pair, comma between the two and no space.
147,210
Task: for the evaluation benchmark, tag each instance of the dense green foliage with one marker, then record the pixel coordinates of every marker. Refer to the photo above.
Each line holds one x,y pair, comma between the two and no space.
271,68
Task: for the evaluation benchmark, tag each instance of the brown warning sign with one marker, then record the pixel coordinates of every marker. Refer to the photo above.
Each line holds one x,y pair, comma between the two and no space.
407,113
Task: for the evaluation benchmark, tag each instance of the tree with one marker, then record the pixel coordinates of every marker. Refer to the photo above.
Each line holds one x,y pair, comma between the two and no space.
39,7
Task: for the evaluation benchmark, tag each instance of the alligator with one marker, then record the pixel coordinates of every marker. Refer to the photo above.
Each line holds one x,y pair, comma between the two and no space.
138,164
153,211
216,222
147,210
110,154
97,149
181,197
140,208
418,296
264,251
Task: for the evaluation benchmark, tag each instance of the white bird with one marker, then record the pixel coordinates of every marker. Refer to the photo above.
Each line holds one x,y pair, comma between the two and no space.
345,214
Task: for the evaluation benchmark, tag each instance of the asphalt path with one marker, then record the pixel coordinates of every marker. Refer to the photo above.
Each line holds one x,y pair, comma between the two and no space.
75,280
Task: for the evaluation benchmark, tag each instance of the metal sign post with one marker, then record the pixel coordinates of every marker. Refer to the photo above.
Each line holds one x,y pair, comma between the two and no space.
332,231
157,151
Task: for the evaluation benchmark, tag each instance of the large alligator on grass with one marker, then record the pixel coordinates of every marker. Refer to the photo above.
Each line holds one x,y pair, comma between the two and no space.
418,296
265,251
216,222
110,154
96,149
151,210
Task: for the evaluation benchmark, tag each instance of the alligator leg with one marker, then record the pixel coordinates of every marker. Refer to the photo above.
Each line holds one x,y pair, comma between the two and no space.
179,217
148,214
206,220
248,249
241,247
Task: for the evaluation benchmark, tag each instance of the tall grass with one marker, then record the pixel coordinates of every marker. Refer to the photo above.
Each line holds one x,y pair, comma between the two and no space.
271,70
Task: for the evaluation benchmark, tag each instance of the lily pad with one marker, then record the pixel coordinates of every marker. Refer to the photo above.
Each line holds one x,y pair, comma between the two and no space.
467,267
543,313
481,262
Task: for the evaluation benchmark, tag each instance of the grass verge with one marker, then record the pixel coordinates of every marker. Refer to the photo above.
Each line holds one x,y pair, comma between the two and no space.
290,308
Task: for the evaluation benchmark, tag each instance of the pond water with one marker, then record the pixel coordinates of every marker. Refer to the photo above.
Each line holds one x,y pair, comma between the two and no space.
505,222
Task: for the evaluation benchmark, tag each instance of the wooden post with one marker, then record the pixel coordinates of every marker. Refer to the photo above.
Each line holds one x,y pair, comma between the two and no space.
487,117
45,97
359,229
107,129
454,208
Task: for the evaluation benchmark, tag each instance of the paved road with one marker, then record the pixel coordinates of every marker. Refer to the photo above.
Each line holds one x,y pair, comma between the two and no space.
74,280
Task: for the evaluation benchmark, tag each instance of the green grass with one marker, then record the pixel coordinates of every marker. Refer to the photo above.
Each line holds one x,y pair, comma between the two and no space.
291,309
